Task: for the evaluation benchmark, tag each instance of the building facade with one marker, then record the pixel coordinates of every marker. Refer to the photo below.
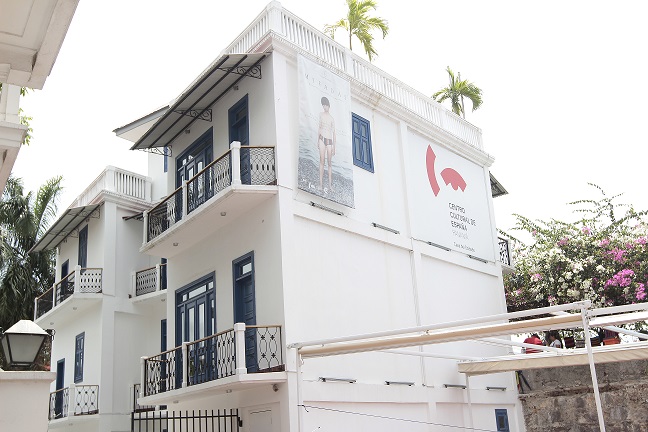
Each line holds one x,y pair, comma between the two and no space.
295,193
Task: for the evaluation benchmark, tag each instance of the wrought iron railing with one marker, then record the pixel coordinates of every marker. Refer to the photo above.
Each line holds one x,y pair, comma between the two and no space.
251,349
505,253
257,167
136,406
74,400
210,181
186,421
81,280
268,346
164,215
44,303
211,358
150,280
163,372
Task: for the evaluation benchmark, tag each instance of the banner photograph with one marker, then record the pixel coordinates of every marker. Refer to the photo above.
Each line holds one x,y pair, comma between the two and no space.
450,205
325,167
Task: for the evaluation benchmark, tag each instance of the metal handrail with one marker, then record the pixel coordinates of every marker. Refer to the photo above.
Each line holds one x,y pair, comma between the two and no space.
212,163
45,293
172,194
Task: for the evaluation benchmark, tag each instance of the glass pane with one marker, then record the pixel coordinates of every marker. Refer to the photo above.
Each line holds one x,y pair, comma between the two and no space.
201,321
247,268
190,324
201,289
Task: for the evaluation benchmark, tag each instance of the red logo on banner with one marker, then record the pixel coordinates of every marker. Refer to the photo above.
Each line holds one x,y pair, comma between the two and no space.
449,175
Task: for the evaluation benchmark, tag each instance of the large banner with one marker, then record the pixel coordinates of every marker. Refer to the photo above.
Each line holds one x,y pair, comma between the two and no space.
450,199
325,167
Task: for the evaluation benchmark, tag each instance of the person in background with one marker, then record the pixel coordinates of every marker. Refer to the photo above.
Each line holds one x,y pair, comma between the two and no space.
534,339
554,339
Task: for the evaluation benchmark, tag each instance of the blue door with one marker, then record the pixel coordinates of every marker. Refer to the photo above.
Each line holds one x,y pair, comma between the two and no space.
60,379
239,131
83,247
189,164
245,306
65,284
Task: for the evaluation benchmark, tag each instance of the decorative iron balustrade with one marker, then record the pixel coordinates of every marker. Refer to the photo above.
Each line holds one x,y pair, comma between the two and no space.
75,400
268,343
136,406
150,280
163,372
255,166
190,421
211,180
164,215
211,358
505,253
59,401
81,280
44,303
243,349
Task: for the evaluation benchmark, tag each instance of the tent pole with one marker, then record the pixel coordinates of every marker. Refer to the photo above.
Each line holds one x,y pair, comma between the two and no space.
470,409
590,357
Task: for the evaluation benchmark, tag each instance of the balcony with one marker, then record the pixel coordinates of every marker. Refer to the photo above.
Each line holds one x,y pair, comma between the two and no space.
224,190
239,358
119,183
282,25
149,283
79,287
76,400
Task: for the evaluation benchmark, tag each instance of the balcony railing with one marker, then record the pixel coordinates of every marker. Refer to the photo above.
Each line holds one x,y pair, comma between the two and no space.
239,165
136,406
81,280
241,350
152,279
284,25
75,400
505,252
116,181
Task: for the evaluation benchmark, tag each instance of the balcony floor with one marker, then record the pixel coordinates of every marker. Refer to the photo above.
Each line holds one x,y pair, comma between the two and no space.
66,310
221,386
235,201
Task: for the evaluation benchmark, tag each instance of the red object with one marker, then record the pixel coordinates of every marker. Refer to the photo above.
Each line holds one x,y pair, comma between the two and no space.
533,340
454,179
430,158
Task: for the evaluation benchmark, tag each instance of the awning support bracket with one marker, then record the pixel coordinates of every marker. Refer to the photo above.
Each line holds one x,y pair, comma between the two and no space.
252,72
200,114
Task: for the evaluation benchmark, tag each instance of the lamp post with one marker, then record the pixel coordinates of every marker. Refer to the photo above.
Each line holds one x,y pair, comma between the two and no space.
22,343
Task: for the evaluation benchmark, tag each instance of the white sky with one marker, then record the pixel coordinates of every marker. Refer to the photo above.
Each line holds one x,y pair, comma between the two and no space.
564,85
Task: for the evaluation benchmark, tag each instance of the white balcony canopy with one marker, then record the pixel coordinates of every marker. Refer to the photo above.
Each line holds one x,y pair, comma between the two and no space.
63,227
196,101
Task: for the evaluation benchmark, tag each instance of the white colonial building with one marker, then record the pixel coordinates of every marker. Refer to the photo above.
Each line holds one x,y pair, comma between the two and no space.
295,193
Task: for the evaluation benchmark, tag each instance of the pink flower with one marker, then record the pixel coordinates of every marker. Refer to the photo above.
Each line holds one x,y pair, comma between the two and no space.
586,230
604,242
641,240
536,277
621,279
640,293
617,255
563,241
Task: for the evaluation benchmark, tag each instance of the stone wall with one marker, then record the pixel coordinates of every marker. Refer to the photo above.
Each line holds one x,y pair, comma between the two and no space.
562,399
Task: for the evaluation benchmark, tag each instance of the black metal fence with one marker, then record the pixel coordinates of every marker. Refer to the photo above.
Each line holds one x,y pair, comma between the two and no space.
83,400
269,355
164,215
210,181
163,372
211,358
187,421
505,253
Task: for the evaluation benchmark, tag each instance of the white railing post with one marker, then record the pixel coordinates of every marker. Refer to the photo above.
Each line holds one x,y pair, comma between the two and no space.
185,363
185,200
348,62
10,103
142,375
71,400
239,340
133,284
235,149
77,279
109,181
148,186
158,277
53,295
274,16
36,307
145,236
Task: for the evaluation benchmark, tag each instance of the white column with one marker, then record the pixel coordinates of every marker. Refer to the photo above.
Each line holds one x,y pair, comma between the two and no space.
36,307
274,13
185,363
158,276
77,279
145,236
110,183
10,103
185,200
142,376
235,154
133,284
71,400
239,340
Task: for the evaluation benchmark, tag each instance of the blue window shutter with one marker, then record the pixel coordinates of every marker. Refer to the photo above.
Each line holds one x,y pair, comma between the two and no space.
501,419
361,138
78,357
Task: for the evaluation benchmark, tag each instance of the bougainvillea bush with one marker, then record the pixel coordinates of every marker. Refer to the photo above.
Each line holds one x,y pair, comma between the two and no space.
602,256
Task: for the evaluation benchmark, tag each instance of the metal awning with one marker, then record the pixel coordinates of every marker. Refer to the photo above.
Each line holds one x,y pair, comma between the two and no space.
195,103
63,227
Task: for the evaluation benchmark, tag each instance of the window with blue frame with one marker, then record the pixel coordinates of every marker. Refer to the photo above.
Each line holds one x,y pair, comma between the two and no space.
501,419
361,135
78,357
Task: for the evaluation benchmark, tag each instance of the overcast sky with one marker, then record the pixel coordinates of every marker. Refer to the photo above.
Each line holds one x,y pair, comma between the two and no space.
564,85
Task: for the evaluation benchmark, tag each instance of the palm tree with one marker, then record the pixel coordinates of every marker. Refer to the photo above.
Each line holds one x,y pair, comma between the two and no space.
24,275
358,23
456,91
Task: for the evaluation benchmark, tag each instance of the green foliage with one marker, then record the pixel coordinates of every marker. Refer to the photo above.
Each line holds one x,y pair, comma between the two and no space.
358,23
602,257
456,91
24,275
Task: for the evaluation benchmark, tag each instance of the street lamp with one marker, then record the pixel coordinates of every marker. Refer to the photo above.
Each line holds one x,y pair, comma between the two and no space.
22,343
